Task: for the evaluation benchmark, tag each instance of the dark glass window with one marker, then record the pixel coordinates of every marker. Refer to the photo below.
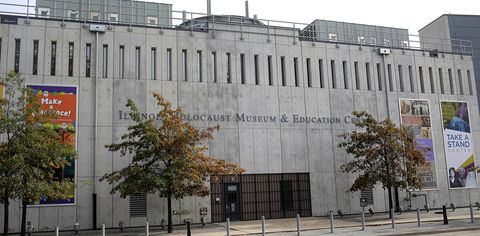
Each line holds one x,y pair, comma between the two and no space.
17,55
35,58
88,59
70,58
53,58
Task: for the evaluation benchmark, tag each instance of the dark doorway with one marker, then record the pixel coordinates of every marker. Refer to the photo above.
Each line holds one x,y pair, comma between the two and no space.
232,201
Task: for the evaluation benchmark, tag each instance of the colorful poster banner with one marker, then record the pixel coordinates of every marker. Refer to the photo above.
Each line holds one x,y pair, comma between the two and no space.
63,101
458,140
415,113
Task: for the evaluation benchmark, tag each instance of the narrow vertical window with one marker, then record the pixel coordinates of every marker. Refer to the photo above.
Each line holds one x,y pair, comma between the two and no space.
440,77
70,58
295,71
470,87
121,62
242,68
282,67
390,77
432,82
17,56
369,76
309,73
357,77
379,76
257,69
229,67
137,63
270,74
410,76
35,58
105,61
320,71
214,66
400,77
460,81
345,74
169,64
153,64
450,81
422,82
53,58
334,79
88,59
200,66
184,65
0,49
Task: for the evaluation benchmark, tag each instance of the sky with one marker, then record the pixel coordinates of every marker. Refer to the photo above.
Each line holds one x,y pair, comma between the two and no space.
407,14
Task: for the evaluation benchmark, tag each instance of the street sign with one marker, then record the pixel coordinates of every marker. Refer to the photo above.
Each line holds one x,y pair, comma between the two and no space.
363,202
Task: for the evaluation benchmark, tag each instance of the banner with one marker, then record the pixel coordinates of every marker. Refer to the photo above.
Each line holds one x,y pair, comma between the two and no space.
415,113
458,141
63,101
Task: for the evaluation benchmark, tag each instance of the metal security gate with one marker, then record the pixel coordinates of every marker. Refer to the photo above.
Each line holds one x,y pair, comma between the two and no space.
251,196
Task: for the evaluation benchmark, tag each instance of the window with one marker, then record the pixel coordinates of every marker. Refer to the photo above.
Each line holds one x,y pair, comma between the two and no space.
214,66
400,77
369,80
432,82
357,76
138,205
35,58
70,58
334,79
169,64
286,195
121,62
284,75
422,82
200,66
257,69
469,78
450,81
242,68
379,76
460,81
184,65
53,58
137,63
440,77
17,55
0,49
390,77
229,68
270,74
309,73
320,71
105,61
153,64
295,71
410,76
345,74
88,59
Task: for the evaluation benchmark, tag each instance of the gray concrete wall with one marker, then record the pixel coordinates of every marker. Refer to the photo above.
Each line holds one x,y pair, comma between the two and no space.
274,147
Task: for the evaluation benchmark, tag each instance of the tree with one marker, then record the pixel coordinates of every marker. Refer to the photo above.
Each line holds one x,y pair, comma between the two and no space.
383,153
168,159
30,152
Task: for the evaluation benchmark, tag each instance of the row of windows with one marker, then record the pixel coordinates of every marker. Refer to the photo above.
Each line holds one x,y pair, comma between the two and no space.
256,64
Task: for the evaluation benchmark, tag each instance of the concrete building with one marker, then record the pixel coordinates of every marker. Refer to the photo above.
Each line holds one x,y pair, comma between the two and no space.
281,99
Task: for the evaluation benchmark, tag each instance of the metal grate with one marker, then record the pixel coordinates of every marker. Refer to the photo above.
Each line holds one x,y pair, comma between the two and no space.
138,205
368,194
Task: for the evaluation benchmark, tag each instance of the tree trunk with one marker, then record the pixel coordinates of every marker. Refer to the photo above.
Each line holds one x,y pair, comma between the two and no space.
390,203
24,217
170,226
6,205
397,199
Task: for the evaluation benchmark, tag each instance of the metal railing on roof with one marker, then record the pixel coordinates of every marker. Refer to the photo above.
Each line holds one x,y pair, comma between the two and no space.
127,13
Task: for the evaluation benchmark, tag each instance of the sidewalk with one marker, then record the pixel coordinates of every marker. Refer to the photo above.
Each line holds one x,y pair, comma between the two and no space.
379,224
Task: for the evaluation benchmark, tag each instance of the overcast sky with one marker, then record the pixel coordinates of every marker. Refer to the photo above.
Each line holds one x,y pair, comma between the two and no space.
408,14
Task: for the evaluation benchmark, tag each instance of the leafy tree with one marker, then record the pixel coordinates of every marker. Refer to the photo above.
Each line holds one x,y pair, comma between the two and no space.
167,159
30,153
383,153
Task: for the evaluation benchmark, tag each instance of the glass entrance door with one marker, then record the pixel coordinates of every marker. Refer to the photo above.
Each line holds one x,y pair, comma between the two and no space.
232,201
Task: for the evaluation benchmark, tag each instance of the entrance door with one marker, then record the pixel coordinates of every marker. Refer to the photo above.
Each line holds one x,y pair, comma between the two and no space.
232,201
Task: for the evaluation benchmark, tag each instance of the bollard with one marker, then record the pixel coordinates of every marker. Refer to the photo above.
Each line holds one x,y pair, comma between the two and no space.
263,225
147,230
393,219
363,219
331,221
103,229
57,231
445,218
298,224
189,228
471,214
228,226
418,217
